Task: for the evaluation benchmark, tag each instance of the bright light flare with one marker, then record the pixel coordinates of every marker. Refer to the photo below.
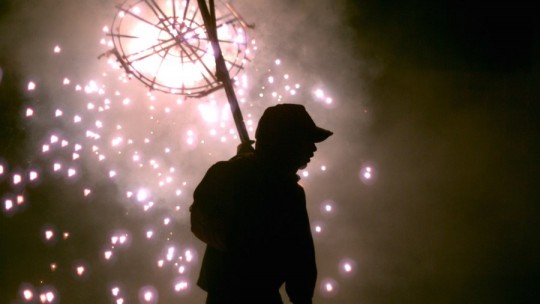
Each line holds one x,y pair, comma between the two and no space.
80,270
115,291
49,234
148,294
367,174
17,179
31,86
329,287
174,55
142,195
181,286
107,254
28,295
8,205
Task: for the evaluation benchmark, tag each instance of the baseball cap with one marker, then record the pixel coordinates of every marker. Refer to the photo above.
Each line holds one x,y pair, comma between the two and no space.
288,122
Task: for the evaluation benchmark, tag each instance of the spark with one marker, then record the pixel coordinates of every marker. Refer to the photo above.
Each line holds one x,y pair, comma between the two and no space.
347,267
170,253
49,234
17,179
329,287
50,296
71,172
80,270
28,294
189,256
122,239
8,204
367,174
142,195
319,93
148,296
183,285
115,291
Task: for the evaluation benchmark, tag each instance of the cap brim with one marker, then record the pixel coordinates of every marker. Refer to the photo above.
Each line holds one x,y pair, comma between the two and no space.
320,134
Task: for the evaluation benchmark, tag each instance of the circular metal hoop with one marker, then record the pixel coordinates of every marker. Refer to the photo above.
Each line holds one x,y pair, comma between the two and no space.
164,44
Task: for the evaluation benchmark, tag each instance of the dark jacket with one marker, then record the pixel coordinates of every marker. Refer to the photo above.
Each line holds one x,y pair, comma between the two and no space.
267,232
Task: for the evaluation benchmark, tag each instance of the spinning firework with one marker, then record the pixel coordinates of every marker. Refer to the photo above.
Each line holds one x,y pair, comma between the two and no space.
167,46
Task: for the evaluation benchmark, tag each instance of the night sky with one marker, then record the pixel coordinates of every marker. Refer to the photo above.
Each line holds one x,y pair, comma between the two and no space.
437,100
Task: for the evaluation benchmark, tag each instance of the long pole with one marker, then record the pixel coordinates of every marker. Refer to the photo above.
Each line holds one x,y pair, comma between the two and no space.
222,73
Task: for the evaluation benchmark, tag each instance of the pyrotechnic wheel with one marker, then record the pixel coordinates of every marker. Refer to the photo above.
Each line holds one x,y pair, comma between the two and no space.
164,44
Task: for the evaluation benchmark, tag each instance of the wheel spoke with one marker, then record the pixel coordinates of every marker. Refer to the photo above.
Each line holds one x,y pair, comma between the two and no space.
184,16
162,17
148,52
140,19
159,67
122,36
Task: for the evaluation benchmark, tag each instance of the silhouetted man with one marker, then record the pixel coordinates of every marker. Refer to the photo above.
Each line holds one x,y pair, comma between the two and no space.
252,214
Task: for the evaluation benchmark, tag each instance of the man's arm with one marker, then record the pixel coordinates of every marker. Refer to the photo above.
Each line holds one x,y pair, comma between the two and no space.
211,210
302,269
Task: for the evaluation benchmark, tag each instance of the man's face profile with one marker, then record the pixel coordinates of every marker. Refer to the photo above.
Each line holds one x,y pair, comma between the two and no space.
300,153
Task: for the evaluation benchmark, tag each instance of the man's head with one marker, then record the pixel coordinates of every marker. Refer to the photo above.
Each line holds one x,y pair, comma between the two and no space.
286,131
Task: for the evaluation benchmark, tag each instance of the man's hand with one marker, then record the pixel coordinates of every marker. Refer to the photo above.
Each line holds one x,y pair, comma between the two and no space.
245,148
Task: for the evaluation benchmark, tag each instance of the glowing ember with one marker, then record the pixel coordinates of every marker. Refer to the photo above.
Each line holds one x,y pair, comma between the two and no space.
181,286
28,294
49,234
31,86
17,179
8,204
80,270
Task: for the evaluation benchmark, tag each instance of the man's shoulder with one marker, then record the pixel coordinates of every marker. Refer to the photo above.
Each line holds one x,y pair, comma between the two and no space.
238,165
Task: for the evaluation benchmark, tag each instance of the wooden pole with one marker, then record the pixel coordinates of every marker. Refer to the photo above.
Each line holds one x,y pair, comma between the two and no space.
222,73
